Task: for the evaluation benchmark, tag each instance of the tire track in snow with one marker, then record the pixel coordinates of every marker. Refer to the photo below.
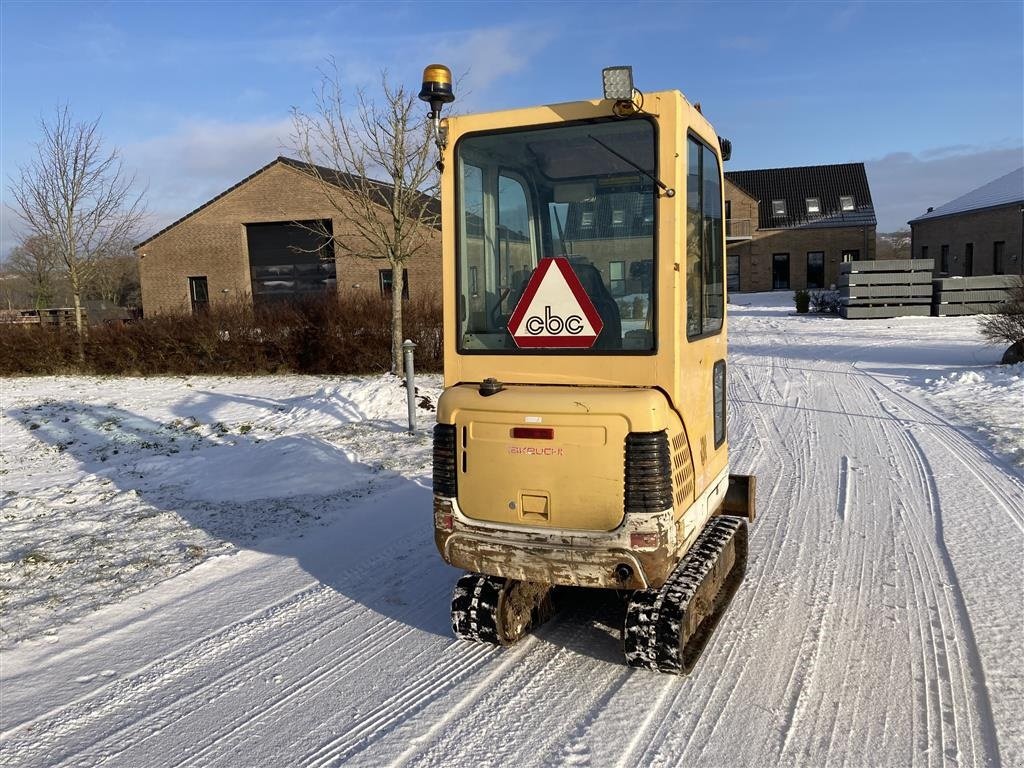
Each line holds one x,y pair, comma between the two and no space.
743,622
121,709
126,693
562,690
448,669
860,551
419,744
959,657
378,640
942,630
877,547
950,594
793,444
770,544
974,456
800,688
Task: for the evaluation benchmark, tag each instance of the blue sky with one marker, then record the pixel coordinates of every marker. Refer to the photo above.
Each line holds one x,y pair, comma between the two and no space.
197,94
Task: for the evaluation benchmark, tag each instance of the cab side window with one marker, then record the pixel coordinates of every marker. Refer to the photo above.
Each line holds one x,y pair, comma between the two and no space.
705,285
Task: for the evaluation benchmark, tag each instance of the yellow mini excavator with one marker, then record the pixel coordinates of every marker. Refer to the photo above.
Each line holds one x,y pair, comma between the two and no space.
581,437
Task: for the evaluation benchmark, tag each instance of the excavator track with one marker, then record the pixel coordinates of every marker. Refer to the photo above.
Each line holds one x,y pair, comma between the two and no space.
499,611
667,629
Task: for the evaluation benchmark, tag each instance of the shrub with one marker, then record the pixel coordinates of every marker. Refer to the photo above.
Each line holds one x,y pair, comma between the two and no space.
324,335
825,302
802,299
1007,324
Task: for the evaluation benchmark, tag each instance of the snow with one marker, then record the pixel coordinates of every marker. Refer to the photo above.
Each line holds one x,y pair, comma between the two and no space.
240,571
991,400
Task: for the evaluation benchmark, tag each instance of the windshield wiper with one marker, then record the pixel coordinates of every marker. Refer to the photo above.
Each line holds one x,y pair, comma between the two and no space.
668,191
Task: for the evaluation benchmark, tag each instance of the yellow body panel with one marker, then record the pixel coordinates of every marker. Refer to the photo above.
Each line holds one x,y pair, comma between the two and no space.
571,481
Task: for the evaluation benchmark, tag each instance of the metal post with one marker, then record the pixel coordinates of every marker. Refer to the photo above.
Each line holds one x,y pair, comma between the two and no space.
410,383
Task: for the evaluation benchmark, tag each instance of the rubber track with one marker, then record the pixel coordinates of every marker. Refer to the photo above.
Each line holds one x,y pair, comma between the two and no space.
475,608
654,617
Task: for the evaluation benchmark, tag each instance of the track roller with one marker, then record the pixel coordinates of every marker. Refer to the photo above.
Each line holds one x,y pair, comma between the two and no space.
667,629
492,609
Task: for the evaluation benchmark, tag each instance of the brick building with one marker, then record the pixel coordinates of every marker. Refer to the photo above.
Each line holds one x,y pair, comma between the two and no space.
979,233
790,228
263,239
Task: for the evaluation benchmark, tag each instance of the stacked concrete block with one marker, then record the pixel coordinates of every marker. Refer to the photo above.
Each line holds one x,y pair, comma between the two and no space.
971,295
887,288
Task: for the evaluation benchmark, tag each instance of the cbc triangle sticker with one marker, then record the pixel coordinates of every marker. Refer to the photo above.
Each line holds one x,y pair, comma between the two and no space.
554,311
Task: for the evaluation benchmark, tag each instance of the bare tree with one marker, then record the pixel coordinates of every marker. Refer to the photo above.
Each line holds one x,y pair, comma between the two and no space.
381,181
77,197
116,278
893,245
34,263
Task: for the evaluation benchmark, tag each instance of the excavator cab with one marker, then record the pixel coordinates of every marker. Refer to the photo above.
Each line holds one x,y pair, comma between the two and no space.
581,437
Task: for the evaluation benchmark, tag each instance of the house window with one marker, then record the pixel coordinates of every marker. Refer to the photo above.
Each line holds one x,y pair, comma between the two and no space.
851,254
924,251
780,270
618,217
944,259
998,254
816,269
587,220
813,206
728,209
969,259
846,202
290,260
199,293
617,277
778,208
386,278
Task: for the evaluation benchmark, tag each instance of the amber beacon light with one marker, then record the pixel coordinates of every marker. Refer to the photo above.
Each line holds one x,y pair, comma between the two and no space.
437,91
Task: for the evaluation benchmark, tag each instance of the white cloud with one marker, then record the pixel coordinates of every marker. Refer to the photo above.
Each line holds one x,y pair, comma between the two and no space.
200,160
486,55
904,185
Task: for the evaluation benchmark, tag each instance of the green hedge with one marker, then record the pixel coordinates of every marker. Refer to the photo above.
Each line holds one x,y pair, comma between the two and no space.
349,335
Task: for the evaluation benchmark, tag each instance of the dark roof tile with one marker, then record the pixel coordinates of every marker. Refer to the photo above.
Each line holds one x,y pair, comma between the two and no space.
794,185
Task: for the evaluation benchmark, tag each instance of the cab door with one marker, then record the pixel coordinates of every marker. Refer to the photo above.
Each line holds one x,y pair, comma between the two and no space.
703,365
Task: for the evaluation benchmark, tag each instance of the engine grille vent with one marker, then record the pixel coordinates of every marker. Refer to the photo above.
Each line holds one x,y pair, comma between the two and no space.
444,460
648,472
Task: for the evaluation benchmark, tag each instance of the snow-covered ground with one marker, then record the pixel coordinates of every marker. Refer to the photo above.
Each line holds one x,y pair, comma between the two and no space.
221,571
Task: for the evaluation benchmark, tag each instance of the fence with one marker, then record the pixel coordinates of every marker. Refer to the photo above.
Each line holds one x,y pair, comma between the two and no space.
971,295
60,316
885,288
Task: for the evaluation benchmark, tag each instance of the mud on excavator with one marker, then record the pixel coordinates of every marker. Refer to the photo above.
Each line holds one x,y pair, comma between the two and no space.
581,436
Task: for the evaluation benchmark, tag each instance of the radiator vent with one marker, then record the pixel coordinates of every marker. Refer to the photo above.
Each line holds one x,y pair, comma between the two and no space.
444,460
648,472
